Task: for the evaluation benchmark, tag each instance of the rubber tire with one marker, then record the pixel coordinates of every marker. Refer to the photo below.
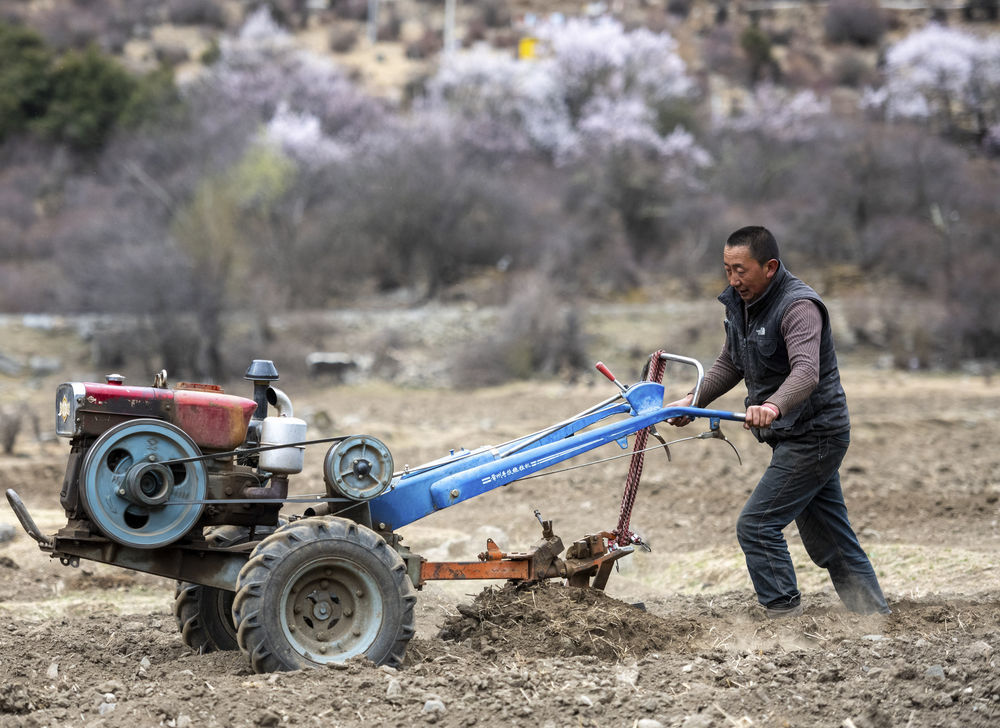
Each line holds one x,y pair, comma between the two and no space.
204,617
355,555
205,613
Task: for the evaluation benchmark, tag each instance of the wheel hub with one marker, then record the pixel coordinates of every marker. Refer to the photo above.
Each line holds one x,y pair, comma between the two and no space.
326,606
328,613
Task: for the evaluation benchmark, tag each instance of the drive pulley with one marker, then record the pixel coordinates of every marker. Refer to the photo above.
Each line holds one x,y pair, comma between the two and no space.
127,479
358,467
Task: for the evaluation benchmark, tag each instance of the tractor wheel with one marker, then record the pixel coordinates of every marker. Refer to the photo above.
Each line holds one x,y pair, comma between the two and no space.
205,613
322,590
204,617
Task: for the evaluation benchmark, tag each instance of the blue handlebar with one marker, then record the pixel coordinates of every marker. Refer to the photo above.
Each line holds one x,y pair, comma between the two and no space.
468,474
695,412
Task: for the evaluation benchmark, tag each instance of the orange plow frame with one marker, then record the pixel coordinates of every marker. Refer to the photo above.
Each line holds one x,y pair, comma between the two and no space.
590,557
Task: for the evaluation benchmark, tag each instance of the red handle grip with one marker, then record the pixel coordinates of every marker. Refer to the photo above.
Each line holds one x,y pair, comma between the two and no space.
605,371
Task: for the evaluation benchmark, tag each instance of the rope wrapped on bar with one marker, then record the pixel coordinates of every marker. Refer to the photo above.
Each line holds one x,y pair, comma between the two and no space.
653,372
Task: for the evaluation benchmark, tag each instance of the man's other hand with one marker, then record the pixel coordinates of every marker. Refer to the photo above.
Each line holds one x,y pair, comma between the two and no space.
683,419
761,416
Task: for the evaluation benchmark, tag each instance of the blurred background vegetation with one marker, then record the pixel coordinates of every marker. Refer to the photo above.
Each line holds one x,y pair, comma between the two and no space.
207,176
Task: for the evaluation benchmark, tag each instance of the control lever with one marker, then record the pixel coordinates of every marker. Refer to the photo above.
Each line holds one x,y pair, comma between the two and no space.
715,433
607,372
658,436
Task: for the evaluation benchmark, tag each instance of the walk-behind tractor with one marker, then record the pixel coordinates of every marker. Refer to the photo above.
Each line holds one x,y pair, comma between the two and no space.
188,482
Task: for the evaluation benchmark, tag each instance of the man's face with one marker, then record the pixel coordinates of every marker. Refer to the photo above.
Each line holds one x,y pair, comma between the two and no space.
746,275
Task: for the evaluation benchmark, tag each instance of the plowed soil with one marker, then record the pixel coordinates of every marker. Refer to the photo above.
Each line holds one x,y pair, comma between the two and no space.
676,640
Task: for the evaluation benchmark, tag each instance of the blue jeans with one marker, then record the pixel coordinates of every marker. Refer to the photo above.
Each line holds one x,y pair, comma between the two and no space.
802,484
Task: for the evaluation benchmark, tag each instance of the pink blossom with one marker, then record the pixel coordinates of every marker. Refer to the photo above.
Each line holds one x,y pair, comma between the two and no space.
937,72
780,114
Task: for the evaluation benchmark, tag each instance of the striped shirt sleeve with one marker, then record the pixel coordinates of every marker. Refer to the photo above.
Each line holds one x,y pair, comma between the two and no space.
801,328
719,379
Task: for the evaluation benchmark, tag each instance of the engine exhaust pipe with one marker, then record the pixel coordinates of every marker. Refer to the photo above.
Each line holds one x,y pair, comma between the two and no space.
279,400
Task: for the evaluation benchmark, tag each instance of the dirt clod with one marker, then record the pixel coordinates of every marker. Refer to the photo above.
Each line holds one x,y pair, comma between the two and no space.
18,698
545,620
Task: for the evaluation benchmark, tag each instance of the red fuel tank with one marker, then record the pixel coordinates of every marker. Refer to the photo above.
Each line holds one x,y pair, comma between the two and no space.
213,419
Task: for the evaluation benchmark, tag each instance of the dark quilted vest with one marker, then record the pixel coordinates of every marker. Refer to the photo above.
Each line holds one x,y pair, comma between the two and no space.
758,350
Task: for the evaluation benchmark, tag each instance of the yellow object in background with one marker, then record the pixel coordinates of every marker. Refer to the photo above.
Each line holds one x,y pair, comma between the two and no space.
526,48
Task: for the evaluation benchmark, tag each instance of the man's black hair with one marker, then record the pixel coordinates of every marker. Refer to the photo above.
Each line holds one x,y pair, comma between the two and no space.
763,246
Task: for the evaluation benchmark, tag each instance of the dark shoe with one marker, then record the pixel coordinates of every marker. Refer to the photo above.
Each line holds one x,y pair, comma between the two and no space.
792,610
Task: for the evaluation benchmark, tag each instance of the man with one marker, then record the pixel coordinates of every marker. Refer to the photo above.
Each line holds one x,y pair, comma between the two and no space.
778,340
